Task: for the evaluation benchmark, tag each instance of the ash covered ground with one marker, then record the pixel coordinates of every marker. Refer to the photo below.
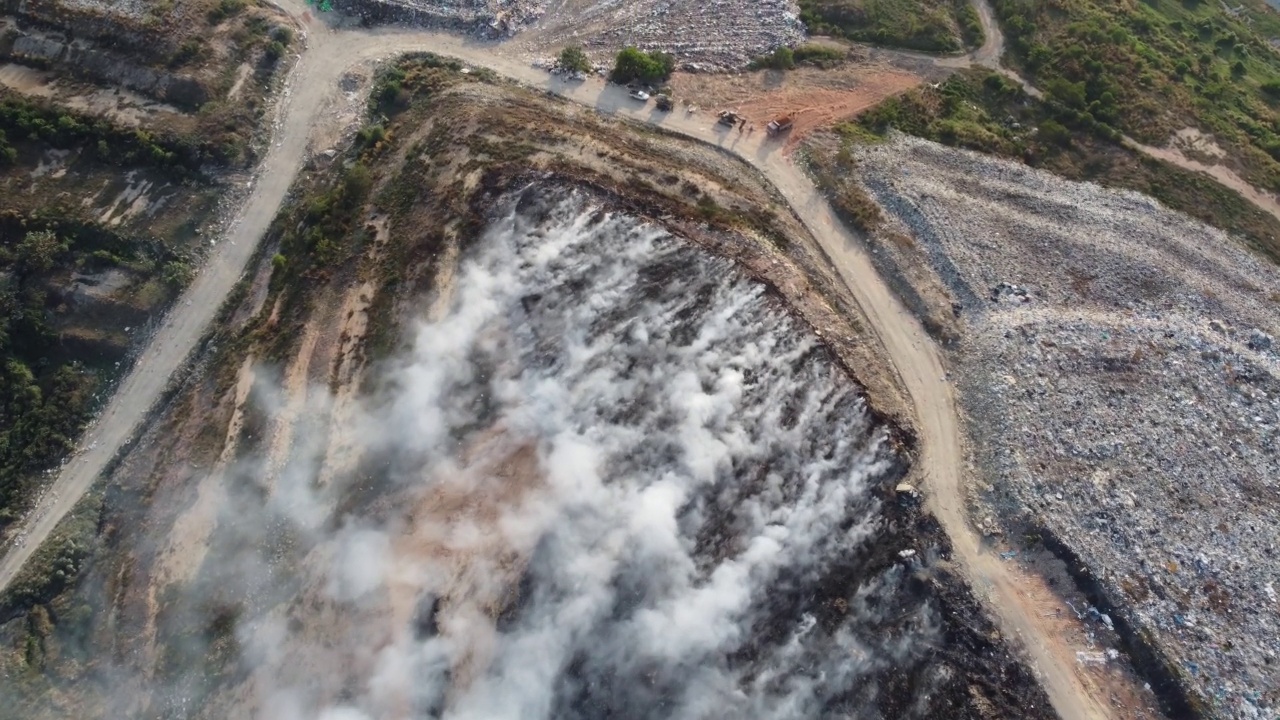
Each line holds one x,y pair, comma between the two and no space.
612,476
1122,386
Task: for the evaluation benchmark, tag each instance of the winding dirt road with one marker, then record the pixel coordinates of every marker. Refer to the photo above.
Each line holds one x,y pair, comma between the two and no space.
915,357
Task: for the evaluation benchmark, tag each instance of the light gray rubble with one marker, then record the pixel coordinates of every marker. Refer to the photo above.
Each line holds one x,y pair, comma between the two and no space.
702,35
1119,371
710,35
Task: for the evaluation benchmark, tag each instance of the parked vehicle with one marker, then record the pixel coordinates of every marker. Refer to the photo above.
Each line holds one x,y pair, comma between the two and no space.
640,95
665,103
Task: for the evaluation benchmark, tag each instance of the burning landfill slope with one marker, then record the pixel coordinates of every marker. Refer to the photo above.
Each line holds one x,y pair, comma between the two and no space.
612,476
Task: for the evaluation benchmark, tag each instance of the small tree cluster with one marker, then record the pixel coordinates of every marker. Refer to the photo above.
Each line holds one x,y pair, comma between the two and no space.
632,64
574,59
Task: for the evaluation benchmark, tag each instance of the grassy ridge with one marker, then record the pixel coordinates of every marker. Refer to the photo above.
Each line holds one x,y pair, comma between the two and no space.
1151,68
930,25
984,111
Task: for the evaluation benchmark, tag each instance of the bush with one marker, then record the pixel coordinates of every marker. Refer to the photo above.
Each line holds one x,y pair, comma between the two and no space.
371,135
632,64
38,121
39,250
275,50
819,55
226,9
191,49
574,59
1055,133
178,274
781,59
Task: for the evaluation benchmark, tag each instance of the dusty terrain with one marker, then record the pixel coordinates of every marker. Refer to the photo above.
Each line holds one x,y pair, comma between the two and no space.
220,550
813,98
1117,369
917,363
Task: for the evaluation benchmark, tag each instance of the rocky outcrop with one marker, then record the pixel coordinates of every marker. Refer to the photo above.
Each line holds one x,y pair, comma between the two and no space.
88,60
116,27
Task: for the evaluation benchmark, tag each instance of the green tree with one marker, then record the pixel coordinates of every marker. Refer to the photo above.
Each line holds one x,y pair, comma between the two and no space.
632,64
178,274
1066,92
574,59
39,250
1053,133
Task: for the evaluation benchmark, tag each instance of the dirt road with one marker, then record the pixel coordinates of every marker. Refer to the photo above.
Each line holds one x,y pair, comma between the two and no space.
914,355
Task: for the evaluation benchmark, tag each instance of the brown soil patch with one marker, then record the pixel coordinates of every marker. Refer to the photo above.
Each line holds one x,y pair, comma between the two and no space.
455,530
813,98
1048,592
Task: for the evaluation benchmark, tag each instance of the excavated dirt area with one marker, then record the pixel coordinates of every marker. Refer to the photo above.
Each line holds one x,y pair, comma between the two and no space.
813,98
571,431
1122,391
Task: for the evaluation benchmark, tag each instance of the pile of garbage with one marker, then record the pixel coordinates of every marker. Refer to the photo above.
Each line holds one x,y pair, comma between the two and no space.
703,36
484,18
1120,378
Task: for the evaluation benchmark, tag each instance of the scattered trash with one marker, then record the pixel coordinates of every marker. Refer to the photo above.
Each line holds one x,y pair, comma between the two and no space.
1086,657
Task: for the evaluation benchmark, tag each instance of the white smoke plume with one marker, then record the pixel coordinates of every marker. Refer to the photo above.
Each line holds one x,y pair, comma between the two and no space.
614,479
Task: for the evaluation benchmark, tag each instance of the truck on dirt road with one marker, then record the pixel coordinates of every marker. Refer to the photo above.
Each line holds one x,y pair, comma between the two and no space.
780,124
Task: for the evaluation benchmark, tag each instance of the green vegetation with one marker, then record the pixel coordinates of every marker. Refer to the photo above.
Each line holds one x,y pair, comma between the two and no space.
930,25
987,112
45,388
1154,67
52,569
275,50
415,76
25,118
785,58
574,59
226,9
191,50
283,35
652,67
327,229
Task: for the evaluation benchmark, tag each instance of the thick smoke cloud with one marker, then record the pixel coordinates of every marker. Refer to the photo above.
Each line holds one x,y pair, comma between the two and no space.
613,479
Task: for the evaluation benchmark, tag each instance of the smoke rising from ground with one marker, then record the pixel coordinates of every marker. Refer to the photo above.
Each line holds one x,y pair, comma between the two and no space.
614,479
